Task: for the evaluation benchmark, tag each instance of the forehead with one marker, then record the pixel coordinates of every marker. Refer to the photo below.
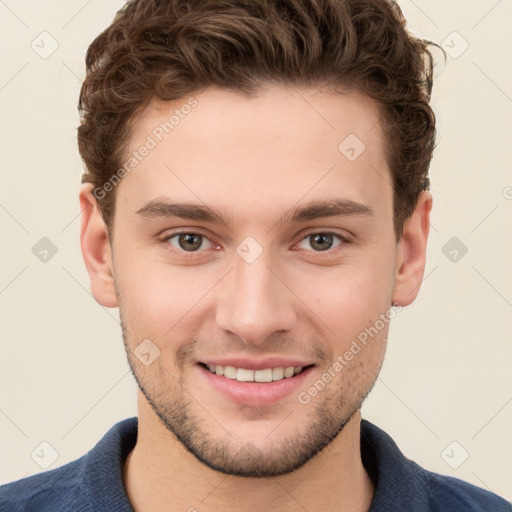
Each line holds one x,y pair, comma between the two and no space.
270,150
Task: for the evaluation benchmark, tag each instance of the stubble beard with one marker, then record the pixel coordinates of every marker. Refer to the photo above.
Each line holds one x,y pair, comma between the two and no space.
328,416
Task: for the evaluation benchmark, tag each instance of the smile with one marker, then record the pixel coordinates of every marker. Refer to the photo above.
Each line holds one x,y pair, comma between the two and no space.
246,375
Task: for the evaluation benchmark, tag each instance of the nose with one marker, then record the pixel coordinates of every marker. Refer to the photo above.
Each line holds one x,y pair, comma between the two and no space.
255,301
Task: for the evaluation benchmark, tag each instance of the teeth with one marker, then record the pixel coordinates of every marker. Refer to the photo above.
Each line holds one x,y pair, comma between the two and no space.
288,372
230,372
244,375
278,373
263,375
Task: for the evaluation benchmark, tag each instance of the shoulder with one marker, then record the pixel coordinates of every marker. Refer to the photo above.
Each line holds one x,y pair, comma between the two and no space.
449,493
401,484
91,483
58,489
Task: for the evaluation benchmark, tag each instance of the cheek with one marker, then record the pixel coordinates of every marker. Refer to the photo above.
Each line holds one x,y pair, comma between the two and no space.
159,300
351,297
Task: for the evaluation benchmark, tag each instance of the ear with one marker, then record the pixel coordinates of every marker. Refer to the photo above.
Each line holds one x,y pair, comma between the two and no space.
411,252
96,249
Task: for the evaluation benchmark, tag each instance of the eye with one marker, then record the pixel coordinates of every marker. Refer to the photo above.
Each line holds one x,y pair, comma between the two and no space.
188,242
323,241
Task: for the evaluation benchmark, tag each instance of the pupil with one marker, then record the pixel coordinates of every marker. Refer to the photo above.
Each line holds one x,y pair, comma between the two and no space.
190,239
323,237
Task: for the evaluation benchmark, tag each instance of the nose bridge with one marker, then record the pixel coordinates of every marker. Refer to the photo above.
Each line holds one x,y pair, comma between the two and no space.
254,302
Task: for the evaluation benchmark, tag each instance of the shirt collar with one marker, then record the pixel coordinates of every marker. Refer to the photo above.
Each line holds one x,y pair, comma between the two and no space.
399,482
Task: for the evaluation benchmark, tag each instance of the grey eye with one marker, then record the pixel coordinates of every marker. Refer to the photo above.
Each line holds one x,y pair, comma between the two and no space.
189,242
322,241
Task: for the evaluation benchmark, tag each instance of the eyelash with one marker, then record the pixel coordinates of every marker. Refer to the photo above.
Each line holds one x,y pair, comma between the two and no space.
169,236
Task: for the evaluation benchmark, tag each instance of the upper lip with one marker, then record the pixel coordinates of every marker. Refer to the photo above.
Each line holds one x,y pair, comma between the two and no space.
256,364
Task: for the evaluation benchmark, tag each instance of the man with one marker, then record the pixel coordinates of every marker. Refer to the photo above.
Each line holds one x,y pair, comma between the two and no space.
256,199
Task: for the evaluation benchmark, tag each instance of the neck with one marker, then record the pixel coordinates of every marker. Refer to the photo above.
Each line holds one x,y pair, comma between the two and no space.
161,475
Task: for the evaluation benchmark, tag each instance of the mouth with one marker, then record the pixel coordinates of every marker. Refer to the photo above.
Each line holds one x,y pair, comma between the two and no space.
263,386
271,374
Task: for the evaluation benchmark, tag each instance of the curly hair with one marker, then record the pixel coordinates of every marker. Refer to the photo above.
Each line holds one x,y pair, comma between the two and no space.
168,49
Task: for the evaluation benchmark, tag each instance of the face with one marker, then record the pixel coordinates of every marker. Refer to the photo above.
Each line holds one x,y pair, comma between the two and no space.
247,245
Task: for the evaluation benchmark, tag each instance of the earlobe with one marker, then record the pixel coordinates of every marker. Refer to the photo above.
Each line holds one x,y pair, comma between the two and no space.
96,249
411,252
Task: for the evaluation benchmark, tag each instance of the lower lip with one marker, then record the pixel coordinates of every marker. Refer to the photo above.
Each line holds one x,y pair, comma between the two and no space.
255,393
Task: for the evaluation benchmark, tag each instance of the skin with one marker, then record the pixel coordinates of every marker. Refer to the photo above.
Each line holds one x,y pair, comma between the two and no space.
254,159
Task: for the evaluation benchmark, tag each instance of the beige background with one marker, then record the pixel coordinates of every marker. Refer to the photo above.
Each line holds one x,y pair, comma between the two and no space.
64,378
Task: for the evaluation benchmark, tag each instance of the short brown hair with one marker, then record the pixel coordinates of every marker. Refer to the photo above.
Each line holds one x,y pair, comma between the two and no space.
171,48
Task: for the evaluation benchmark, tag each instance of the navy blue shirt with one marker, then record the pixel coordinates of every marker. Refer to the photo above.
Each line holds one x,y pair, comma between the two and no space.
94,482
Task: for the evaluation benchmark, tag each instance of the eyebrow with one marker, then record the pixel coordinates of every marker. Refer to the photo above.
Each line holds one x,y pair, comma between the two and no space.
162,208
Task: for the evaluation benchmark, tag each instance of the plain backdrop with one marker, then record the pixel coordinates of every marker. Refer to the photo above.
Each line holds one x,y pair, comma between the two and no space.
445,392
